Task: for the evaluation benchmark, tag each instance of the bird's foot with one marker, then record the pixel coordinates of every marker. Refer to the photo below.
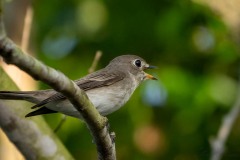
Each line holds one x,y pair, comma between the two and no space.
112,136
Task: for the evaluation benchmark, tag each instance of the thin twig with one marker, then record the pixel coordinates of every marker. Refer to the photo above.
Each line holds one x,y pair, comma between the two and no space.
27,28
218,143
63,119
95,61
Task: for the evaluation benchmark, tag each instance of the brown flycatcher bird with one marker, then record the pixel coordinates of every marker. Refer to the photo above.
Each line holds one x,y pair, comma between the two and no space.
108,89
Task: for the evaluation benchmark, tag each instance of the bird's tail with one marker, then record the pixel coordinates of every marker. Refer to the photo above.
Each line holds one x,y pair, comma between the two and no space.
31,96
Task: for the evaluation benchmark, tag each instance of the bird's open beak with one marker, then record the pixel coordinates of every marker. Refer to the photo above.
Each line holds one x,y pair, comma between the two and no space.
149,76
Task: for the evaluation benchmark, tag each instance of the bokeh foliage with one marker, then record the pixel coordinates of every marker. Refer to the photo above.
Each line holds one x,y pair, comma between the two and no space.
173,118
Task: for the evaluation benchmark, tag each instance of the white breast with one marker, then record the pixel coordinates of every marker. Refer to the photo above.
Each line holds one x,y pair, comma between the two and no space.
105,100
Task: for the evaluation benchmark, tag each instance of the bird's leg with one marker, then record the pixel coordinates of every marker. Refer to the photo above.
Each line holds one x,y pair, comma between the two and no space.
113,136
107,124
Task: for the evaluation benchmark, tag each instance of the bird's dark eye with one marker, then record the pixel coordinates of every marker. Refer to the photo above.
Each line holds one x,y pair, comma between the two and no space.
138,63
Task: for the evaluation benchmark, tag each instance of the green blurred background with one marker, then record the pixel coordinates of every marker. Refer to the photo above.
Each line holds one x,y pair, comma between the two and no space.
198,66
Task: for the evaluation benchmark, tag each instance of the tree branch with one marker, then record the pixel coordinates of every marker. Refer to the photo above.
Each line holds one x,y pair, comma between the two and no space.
95,62
27,28
218,143
30,135
95,122
91,69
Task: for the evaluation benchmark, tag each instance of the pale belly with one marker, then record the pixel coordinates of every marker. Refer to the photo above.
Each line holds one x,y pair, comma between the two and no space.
105,102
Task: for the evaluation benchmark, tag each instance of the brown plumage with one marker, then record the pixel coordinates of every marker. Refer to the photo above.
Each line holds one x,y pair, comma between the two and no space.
108,89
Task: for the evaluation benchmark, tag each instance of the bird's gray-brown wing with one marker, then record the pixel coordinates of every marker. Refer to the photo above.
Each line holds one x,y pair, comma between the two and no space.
95,80
99,80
